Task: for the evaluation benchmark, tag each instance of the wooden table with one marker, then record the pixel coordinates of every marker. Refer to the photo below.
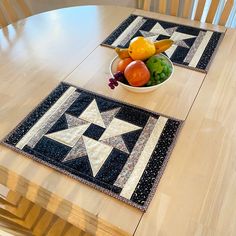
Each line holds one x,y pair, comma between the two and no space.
196,195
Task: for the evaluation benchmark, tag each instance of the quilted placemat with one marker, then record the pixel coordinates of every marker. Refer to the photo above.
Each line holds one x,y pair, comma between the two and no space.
114,147
193,48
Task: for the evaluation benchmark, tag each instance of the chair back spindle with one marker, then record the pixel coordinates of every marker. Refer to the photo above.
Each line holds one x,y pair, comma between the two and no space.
226,12
185,9
200,9
13,10
212,11
174,7
163,6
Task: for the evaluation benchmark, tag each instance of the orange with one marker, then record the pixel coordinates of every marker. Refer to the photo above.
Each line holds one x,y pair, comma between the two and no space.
123,64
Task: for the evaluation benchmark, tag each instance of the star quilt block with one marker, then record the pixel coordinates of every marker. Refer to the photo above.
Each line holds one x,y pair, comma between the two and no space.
193,47
114,147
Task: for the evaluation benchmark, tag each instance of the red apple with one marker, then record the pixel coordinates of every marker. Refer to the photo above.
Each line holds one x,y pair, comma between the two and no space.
137,74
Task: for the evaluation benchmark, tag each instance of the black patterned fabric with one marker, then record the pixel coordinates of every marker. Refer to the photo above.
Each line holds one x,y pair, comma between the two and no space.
114,147
193,47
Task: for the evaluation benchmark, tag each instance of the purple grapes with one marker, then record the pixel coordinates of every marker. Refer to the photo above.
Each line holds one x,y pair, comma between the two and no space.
113,82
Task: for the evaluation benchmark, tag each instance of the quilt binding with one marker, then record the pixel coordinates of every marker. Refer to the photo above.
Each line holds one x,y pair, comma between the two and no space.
175,63
101,189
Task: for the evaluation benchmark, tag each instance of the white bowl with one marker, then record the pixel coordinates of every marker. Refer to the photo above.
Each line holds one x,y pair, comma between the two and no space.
113,67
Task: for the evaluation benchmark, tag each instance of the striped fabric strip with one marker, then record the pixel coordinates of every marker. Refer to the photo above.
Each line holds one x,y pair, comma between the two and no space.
194,47
201,48
136,174
129,32
44,119
135,154
52,120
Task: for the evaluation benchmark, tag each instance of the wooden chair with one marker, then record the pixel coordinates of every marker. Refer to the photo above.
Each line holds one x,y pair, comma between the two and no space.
185,9
13,10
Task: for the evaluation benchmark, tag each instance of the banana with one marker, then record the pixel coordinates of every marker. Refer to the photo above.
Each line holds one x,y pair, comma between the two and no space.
122,53
163,45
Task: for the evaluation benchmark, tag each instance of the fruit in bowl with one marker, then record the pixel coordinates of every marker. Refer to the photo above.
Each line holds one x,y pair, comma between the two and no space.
137,73
141,67
141,48
160,68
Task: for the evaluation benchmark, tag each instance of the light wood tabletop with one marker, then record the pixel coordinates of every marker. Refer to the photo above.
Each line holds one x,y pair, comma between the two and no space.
196,195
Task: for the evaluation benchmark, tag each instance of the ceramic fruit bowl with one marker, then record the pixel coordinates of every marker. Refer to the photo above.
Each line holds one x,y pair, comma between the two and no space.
148,87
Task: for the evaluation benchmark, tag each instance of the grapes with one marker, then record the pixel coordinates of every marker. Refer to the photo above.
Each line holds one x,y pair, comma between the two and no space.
111,86
118,75
159,69
113,82
165,69
162,75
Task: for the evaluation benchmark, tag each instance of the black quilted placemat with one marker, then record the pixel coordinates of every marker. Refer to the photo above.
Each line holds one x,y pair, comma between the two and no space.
193,48
114,147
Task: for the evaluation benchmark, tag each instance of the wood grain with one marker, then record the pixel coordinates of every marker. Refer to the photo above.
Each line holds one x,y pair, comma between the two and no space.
199,10
11,11
226,12
212,10
173,99
196,194
174,7
179,20
24,7
3,21
67,207
52,51
162,6
147,5
50,54
27,218
187,8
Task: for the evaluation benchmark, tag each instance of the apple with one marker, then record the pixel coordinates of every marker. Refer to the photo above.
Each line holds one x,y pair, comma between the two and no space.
137,73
